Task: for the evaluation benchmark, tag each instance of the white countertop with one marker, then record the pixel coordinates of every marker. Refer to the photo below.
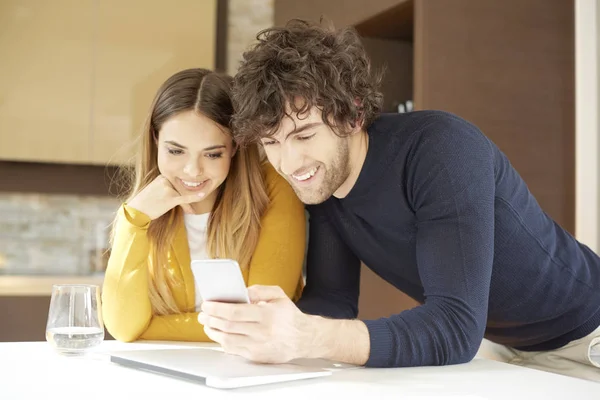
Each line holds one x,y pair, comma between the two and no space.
33,368
38,285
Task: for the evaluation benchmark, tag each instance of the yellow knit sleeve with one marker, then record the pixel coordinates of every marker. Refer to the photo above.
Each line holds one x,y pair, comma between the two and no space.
126,308
279,254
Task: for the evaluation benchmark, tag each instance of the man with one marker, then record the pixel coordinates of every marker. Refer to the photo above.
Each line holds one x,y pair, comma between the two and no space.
426,201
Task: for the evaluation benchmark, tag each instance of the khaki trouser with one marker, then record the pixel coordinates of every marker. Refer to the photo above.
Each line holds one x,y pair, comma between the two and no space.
574,359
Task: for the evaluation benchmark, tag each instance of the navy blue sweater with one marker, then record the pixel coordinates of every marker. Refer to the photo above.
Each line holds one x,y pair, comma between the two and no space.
439,212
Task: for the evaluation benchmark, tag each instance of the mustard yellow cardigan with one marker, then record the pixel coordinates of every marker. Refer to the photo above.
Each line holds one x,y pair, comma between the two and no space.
277,260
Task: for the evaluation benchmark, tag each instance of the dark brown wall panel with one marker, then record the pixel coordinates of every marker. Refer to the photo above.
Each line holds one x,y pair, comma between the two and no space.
507,66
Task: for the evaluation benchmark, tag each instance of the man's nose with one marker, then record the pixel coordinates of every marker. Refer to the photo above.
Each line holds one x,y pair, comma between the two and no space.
290,160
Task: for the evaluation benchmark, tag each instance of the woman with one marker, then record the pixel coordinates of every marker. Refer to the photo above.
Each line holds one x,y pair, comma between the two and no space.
195,195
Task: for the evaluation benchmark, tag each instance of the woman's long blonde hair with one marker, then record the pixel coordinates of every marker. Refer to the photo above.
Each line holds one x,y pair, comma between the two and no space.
234,223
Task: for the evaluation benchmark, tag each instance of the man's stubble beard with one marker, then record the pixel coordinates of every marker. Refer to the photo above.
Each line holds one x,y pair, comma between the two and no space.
335,175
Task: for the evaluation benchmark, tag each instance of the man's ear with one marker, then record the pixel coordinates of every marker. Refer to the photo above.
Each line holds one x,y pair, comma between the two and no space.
356,126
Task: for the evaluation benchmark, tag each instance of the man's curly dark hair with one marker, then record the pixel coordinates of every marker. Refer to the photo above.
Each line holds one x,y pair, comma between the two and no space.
302,65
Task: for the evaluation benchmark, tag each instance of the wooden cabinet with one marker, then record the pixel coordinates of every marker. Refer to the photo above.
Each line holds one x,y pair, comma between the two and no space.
139,44
78,77
45,84
506,65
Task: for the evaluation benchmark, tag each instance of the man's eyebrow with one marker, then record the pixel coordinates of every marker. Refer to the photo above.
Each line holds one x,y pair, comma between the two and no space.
302,128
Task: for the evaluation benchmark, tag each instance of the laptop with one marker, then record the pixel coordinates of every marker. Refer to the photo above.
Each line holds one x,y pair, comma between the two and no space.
217,369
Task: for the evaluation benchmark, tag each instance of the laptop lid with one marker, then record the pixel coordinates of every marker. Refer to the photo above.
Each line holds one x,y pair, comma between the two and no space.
221,370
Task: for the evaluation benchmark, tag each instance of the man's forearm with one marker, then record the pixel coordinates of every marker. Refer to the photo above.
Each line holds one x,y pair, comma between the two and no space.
344,341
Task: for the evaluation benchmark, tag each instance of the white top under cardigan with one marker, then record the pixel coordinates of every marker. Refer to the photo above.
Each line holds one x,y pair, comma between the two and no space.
196,226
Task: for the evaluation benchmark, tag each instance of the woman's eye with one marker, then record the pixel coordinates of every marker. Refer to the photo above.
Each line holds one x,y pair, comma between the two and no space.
268,143
214,155
175,152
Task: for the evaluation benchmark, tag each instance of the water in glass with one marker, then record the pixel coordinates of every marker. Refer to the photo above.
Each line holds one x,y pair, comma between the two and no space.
75,319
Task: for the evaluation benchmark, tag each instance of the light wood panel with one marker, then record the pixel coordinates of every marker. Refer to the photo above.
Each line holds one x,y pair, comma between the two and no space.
45,85
140,44
78,76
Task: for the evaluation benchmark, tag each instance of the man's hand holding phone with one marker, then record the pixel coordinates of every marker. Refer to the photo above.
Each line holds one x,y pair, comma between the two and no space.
271,329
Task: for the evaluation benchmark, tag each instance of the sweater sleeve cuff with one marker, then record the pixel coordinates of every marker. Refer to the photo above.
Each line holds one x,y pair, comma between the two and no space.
382,344
136,217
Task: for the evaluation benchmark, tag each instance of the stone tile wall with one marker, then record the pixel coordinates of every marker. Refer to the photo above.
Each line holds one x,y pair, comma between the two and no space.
54,234
245,19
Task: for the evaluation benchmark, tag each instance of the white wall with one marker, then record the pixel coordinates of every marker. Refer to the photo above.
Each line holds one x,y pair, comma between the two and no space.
587,132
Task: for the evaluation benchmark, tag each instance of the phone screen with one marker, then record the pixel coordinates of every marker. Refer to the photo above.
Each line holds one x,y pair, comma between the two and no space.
220,280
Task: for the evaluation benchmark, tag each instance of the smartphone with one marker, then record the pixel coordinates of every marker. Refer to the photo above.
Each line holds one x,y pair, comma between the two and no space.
220,280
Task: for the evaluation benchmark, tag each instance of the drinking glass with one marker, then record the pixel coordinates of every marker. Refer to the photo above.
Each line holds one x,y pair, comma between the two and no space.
74,323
